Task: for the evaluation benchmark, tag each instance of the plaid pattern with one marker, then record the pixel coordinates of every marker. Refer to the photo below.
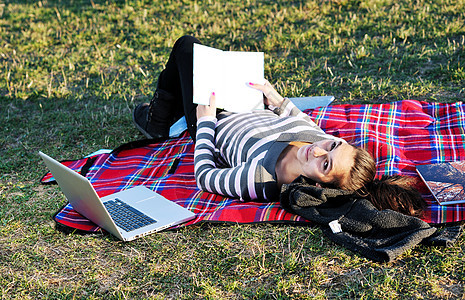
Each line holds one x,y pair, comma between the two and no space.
400,135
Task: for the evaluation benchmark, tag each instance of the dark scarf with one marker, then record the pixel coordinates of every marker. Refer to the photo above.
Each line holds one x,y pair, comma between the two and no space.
377,235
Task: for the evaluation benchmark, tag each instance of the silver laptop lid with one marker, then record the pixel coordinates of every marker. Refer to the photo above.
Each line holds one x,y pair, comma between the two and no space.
81,194
84,199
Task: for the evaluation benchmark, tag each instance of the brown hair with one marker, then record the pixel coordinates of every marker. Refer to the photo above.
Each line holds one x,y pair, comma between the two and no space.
390,192
397,193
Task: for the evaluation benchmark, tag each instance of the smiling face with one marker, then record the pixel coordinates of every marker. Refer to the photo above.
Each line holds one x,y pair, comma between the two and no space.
326,160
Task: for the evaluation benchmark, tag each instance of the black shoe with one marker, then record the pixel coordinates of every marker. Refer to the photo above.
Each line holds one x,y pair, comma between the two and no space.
154,119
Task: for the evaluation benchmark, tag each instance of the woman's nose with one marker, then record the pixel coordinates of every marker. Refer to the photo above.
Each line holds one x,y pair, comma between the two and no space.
317,151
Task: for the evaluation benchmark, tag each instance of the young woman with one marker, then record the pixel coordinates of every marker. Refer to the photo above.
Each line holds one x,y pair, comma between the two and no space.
251,155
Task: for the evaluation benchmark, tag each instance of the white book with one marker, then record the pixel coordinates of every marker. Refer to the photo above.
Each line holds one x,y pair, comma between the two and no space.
227,74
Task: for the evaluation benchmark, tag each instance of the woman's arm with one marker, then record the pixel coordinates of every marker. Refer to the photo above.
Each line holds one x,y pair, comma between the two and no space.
270,96
280,105
233,182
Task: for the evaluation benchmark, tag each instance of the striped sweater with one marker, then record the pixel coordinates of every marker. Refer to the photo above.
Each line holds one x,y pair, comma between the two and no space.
236,153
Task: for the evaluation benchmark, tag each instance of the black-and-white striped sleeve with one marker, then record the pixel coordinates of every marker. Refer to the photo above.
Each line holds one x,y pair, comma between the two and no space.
289,109
236,182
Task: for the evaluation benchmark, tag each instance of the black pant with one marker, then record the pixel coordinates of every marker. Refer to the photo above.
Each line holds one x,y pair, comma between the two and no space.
177,79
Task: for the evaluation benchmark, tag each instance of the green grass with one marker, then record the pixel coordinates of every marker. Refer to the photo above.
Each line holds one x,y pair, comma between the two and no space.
72,71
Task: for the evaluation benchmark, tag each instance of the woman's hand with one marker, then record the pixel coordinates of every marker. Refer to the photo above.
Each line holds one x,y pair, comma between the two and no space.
270,95
207,110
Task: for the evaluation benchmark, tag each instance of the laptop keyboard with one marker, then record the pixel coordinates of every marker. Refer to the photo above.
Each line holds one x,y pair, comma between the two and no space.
127,217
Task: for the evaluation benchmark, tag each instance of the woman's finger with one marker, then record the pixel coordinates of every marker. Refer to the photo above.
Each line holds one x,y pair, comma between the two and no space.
257,86
213,99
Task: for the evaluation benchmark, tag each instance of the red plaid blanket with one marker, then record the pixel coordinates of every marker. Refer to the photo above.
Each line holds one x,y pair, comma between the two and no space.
400,135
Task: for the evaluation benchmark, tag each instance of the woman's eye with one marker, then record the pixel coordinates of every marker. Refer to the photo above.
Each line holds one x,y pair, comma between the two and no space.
325,165
333,145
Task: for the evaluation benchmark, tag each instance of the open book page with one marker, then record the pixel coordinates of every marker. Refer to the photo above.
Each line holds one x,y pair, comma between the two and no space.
207,72
446,181
227,73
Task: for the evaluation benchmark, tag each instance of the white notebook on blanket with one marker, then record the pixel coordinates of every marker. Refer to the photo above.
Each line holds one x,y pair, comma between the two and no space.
227,73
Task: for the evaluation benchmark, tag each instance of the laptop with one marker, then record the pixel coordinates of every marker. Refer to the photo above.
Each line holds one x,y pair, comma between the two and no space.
127,214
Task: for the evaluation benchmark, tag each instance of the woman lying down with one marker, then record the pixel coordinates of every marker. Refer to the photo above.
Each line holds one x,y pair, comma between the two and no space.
251,155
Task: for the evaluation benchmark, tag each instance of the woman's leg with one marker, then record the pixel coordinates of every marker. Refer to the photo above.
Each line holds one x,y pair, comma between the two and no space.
174,94
177,79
